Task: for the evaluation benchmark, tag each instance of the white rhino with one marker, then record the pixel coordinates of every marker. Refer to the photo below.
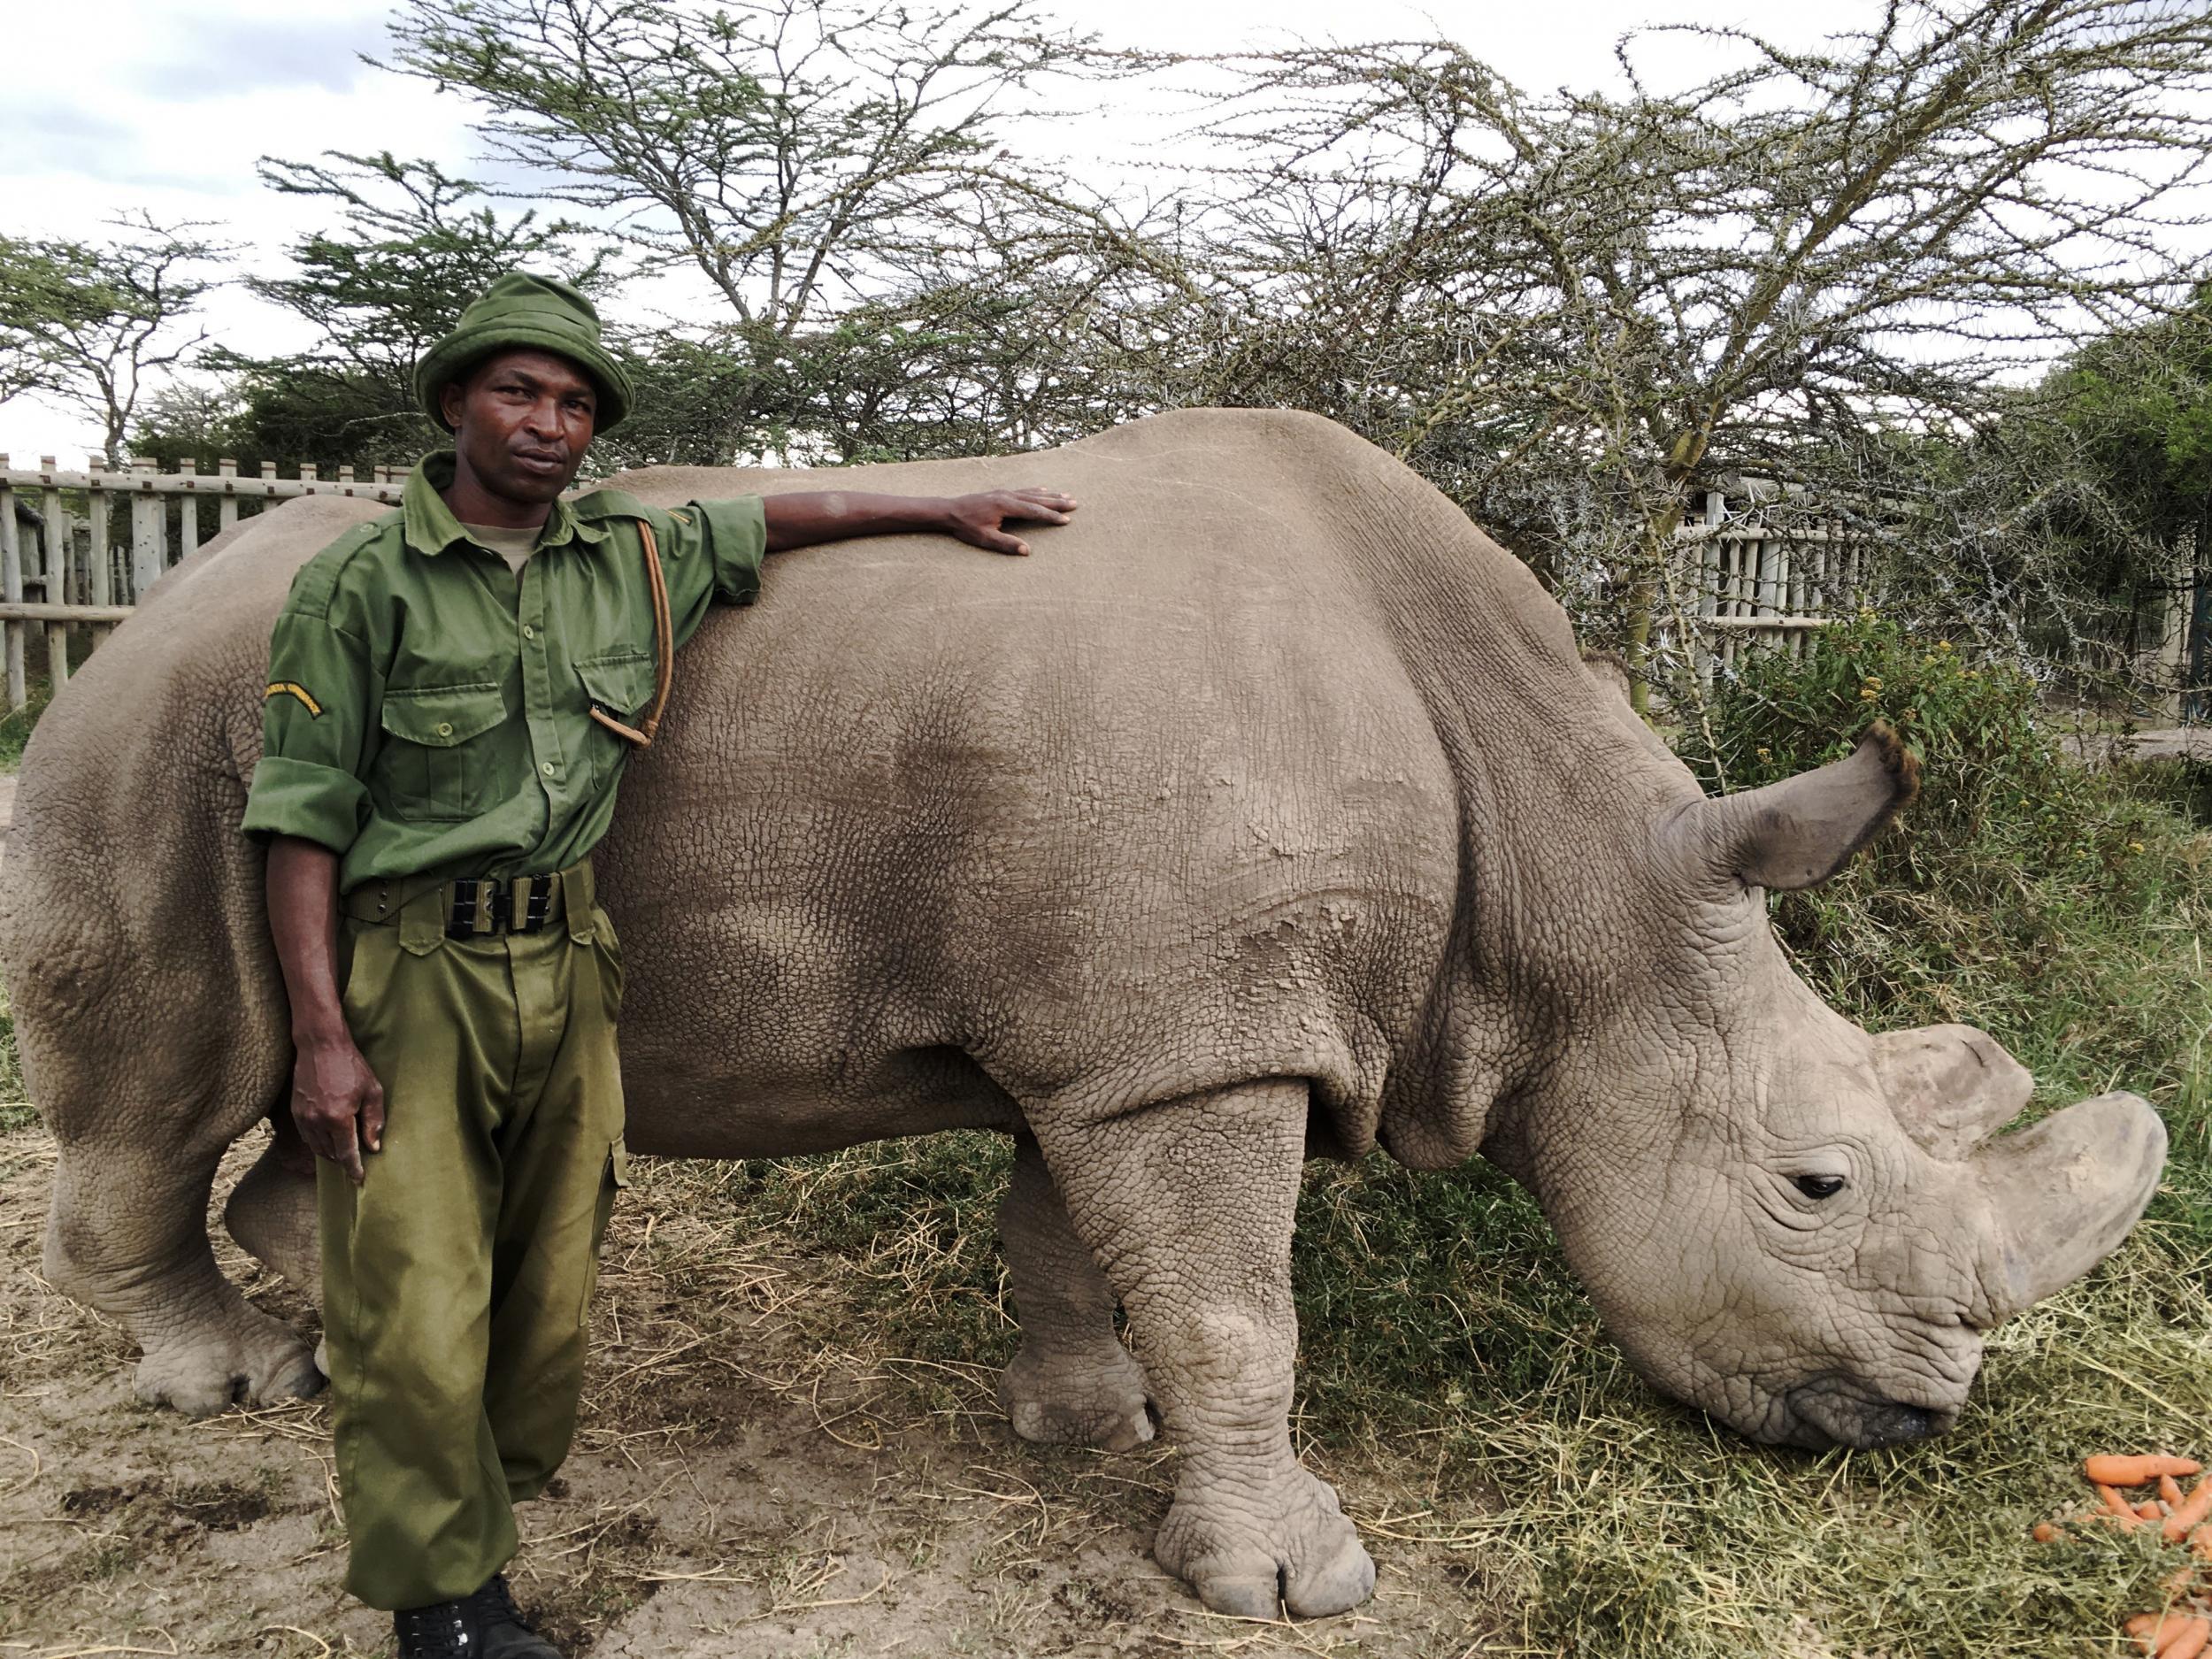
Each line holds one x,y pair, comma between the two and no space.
1267,812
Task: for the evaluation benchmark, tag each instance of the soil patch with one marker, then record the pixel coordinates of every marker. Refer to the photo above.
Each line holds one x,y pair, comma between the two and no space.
754,1475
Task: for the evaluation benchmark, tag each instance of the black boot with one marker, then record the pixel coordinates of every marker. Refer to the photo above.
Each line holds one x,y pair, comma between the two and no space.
485,1626
505,1635
444,1629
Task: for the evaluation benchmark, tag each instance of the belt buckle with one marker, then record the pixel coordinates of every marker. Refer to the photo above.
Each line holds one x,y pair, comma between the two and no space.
478,908
536,893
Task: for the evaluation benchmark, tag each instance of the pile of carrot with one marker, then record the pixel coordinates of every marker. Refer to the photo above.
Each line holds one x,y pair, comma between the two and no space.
2178,1631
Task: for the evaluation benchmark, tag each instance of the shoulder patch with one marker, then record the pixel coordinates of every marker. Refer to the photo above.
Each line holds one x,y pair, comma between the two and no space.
283,688
316,581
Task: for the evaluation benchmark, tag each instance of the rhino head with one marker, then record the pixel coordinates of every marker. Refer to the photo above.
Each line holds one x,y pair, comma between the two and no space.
1800,1228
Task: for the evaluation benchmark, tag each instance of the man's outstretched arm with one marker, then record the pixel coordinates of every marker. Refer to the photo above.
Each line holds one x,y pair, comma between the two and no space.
802,519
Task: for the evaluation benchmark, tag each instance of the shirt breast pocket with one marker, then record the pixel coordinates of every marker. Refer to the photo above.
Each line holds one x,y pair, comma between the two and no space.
438,758
620,682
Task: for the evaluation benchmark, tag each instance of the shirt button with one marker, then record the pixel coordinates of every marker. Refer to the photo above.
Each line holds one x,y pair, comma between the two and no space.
445,728
529,633
546,769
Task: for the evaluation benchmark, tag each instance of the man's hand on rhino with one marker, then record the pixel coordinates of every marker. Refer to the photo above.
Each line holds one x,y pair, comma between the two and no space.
338,1103
802,517
977,519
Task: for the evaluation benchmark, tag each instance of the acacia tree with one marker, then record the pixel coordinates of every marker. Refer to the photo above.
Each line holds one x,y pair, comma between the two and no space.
95,325
411,247
829,168
1569,309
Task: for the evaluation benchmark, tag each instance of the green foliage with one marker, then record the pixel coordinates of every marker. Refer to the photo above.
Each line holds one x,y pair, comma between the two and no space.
15,1104
92,324
411,247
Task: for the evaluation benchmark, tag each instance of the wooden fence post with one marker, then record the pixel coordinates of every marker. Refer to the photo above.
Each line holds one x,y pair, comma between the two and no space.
188,512
12,592
150,533
227,509
54,567
101,557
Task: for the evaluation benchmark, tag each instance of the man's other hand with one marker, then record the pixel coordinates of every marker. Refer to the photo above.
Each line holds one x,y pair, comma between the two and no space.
338,1103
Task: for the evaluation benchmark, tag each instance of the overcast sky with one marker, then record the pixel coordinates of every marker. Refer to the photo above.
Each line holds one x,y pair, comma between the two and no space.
186,97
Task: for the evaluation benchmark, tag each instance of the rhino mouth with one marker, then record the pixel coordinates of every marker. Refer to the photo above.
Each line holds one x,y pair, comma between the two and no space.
1826,1413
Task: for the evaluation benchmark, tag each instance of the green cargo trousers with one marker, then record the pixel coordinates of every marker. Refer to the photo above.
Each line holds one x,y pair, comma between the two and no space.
455,1277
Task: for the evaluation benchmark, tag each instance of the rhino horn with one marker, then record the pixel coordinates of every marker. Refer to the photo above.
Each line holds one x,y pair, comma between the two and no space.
2064,1193
1798,832
1951,1086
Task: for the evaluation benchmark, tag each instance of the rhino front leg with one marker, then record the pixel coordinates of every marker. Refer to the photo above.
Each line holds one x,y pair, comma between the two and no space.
1188,1206
1073,1383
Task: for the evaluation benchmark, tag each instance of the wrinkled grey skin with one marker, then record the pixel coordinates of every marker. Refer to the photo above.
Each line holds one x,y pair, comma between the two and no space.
1267,811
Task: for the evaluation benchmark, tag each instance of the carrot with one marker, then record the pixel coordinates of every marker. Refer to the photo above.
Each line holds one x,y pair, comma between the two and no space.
2149,1512
2120,1507
2043,1532
2187,1642
2161,1633
2200,1543
2108,1470
2170,1491
2189,1512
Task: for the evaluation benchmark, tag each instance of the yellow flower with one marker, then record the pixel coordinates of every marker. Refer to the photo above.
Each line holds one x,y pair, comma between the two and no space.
1943,645
2135,846
1867,694
1766,754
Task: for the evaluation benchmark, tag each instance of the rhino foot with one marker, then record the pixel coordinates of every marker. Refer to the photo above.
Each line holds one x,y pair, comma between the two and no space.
251,1360
1095,1397
1256,1554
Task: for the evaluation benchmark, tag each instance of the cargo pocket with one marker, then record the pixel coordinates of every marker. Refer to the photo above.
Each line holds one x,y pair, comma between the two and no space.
437,760
617,1178
621,683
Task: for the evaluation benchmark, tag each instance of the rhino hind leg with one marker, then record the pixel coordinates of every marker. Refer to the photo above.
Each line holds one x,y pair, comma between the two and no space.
128,1239
1073,1383
1188,1204
271,1212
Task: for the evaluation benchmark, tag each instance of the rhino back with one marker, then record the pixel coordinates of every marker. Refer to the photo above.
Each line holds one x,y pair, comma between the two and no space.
1158,809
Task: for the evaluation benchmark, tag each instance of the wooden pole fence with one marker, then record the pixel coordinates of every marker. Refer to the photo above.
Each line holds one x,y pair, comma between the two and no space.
53,578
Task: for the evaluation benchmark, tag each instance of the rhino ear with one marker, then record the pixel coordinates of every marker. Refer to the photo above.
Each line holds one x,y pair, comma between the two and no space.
1951,1086
1798,832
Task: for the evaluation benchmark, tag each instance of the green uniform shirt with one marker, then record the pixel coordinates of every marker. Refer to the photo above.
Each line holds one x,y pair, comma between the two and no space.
428,712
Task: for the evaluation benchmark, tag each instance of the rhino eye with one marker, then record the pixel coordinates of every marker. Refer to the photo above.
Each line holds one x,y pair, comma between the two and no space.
1820,1186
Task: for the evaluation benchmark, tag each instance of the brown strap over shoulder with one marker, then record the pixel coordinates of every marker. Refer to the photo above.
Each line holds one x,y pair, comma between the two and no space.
663,652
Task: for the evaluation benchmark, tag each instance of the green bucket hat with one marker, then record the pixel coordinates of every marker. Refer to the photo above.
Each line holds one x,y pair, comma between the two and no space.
521,310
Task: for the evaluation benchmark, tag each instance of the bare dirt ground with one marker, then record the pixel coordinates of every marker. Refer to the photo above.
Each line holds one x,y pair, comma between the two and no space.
754,1477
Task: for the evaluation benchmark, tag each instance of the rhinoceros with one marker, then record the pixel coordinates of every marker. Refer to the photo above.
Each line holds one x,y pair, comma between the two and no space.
1268,812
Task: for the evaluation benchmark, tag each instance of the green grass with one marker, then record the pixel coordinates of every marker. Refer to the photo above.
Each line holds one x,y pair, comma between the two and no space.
15,1105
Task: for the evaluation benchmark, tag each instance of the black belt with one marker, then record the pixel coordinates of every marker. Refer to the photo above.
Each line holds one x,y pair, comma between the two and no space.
473,906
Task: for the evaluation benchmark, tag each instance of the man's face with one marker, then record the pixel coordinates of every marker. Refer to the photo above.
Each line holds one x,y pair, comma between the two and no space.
522,420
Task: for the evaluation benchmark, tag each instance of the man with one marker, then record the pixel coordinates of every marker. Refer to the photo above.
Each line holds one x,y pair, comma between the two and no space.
454,690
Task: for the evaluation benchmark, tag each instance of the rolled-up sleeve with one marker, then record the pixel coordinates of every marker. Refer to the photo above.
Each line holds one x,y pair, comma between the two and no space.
737,540
314,718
